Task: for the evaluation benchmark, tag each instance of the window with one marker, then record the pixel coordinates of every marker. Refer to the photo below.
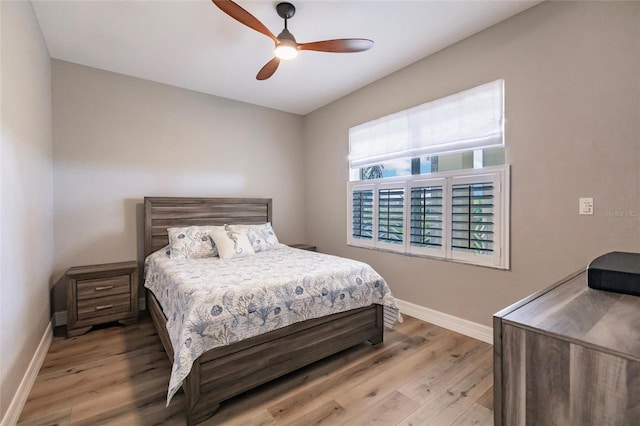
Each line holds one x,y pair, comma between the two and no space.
452,216
431,180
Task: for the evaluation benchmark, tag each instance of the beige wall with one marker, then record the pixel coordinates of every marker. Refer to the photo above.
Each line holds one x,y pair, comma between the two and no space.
119,138
26,194
572,99
572,85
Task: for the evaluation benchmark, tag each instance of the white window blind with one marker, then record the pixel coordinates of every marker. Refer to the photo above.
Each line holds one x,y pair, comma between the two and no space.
472,119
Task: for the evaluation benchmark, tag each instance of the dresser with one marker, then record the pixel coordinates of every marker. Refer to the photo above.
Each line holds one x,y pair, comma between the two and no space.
568,355
97,294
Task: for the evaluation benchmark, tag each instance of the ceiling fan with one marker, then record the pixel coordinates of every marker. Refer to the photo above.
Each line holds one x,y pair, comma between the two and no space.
286,45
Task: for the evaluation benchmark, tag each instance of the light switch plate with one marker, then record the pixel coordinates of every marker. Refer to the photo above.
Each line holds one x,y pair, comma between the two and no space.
586,206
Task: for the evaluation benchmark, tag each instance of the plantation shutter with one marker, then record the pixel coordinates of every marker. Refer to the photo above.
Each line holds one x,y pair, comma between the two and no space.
458,218
427,225
362,214
473,218
391,215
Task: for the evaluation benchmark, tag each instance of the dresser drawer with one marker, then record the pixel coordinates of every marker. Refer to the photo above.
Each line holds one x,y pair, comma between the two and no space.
102,287
101,306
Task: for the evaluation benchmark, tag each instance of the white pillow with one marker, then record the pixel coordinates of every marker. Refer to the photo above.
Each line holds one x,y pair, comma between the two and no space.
232,243
192,242
262,237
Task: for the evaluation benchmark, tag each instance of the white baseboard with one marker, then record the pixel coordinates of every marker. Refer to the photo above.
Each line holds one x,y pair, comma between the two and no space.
459,325
450,322
60,318
20,398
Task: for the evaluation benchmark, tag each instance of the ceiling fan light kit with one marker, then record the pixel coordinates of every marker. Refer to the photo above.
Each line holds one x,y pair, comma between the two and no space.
285,51
286,46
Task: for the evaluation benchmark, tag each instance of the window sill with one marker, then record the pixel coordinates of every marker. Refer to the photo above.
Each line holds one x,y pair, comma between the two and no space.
425,256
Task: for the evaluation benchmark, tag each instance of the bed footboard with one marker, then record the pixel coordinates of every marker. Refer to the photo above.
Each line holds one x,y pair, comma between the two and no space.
224,372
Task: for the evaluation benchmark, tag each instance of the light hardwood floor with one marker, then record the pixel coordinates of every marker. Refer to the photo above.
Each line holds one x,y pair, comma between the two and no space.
421,375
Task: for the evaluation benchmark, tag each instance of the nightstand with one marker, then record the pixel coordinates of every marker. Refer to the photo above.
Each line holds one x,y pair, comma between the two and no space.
304,247
97,294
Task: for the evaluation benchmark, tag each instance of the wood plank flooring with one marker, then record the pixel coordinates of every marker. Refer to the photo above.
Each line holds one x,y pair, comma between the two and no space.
421,375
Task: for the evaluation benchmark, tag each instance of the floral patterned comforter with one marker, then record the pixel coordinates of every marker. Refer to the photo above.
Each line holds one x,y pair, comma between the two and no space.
211,302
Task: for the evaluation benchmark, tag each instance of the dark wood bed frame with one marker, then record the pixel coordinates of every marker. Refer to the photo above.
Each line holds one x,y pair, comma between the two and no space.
224,372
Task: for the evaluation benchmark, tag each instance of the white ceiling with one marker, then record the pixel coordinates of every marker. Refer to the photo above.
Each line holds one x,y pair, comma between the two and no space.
194,45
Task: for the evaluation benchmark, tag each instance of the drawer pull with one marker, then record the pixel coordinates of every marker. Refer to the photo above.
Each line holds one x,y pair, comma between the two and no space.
100,308
104,287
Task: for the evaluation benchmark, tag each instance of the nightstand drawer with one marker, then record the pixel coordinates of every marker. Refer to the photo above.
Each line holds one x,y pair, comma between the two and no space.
101,306
102,287
306,247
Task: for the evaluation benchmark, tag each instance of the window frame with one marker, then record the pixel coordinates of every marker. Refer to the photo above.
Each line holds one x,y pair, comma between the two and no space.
499,175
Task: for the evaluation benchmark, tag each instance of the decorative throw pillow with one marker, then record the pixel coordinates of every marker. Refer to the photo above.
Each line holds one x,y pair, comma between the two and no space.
192,242
232,243
262,237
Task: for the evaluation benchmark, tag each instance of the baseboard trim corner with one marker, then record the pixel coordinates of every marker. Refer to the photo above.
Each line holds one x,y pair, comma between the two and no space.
450,322
20,398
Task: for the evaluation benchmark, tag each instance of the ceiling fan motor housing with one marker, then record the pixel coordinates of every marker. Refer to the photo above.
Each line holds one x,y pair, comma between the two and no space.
285,10
286,35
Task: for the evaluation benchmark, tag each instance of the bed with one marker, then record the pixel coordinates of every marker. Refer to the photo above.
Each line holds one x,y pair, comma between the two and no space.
226,371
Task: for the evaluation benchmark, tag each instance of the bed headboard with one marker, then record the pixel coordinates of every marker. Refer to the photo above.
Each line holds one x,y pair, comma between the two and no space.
161,213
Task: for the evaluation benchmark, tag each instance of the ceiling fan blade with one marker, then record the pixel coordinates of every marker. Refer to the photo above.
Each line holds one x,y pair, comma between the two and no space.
239,14
269,68
343,45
